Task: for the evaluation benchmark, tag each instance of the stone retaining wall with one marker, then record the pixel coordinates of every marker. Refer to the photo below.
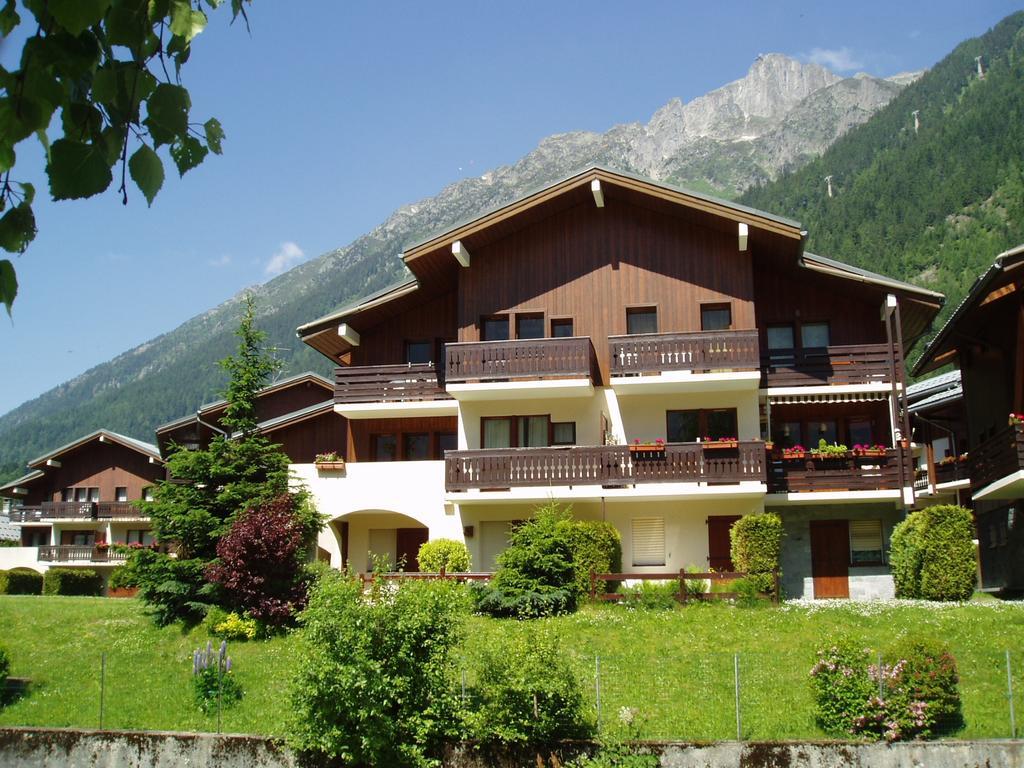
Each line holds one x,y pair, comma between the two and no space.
69,748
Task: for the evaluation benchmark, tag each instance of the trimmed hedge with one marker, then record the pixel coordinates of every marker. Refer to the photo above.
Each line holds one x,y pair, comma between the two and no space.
932,554
595,546
21,581
73,581
756,541
449,554
5,666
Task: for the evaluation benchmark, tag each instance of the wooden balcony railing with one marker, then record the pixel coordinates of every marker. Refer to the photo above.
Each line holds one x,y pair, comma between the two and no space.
519,359
952,472
999,456
611,465
77,510
852,364
849,473
74,553
697,352
387,383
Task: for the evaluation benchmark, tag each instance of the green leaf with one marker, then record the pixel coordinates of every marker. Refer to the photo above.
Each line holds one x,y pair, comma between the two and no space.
128,23
76,16
17,228
77,170
6,156
167,113
147,171
214,135
17,123
28,191
186,22
9,18
44,139
8,284
187,154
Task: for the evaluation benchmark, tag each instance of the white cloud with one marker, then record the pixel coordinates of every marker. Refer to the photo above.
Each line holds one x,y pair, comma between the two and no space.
221,261
284,258
838,59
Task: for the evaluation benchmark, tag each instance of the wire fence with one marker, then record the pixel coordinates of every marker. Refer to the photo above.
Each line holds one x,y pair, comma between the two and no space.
691,696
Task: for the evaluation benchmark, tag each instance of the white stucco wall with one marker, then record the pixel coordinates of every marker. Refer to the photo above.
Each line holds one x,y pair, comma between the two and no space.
643,416
21,557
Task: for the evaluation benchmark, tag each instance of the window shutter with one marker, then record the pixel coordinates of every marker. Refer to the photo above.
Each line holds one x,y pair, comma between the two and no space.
648,540
866,537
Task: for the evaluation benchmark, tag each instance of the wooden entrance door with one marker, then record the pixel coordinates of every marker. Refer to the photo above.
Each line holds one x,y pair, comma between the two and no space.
407,545
830,558
719,543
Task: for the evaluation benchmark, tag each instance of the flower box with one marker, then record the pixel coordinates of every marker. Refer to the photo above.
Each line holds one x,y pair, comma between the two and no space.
873,452
647,451
715,444
330,466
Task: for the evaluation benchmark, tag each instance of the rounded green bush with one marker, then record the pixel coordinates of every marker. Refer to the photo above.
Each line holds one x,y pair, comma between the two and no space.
932,554
595,546
756,541
449,554
21,581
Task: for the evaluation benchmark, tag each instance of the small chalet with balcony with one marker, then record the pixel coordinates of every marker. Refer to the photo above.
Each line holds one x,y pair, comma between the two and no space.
78,505
984,338
654,357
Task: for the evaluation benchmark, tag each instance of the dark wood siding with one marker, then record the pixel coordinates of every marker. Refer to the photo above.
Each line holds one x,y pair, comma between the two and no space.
106,466
303,441
590,264
385,344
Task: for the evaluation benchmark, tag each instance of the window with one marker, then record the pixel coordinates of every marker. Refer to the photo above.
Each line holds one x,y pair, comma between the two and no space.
814,335
823,430
641,320
81,494
416,446
515,431
786,434
715,317
529,326
147,493
446,441
563,433
866,542
781,337
648,534
78,538
35,537
68,494
142,536
861,432
690,426
94,494
121,493
383,447
418,352
561,328
495,328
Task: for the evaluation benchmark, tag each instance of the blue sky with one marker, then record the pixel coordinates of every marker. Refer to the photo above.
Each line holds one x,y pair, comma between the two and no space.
337,113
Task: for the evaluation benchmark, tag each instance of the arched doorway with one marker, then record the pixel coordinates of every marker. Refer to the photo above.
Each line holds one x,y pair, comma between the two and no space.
366,534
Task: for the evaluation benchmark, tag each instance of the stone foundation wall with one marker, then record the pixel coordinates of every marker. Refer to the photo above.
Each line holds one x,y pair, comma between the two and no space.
68,748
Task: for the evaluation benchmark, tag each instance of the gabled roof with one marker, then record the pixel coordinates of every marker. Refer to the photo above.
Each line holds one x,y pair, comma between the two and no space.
395,290
35,474
277,386
942,349
294,417
850,272
146,449
938,390
584,177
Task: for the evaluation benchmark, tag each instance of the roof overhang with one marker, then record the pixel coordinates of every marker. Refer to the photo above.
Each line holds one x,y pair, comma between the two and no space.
101,436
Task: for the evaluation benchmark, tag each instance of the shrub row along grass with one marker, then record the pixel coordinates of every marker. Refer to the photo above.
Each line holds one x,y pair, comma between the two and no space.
674,667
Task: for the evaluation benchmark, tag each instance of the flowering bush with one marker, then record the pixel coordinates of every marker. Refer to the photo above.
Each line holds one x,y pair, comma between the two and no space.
912,695
866,447
833,450
1016,418
794,451
235,627
213,684
325,457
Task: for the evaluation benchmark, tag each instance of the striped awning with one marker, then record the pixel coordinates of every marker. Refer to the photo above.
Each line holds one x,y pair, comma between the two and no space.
837,397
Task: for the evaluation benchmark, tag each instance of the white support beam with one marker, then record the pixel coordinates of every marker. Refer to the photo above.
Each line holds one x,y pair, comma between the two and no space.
154,460
888,305
19,491
104,439
744,232
460,253
595,188
52,463
349,334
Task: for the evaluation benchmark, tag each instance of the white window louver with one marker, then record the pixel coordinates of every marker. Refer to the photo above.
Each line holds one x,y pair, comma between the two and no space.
865,541
648,540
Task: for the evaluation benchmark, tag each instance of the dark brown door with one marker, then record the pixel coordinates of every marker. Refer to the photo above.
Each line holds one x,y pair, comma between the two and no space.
830,558
719,543
407,546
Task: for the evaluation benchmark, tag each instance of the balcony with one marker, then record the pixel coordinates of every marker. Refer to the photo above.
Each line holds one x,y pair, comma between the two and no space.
74,553
858,366
847,477
997,466
77,510
375,391
611,466
523,368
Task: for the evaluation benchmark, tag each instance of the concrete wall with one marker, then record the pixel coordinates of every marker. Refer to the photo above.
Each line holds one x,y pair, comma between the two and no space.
866,582
65,748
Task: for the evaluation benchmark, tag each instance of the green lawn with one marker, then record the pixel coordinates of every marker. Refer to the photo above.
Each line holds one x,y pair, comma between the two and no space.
675,667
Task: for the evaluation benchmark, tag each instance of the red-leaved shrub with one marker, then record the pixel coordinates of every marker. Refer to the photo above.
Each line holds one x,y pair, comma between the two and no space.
259,563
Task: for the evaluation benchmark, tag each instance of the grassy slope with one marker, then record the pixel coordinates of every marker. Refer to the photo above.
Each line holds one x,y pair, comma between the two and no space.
675,667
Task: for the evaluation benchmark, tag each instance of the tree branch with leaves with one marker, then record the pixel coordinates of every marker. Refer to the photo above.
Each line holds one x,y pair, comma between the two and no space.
110,72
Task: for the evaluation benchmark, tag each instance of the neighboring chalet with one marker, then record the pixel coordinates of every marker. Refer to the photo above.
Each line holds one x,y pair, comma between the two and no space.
296,412
984,337
654,357
939,422
80,500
